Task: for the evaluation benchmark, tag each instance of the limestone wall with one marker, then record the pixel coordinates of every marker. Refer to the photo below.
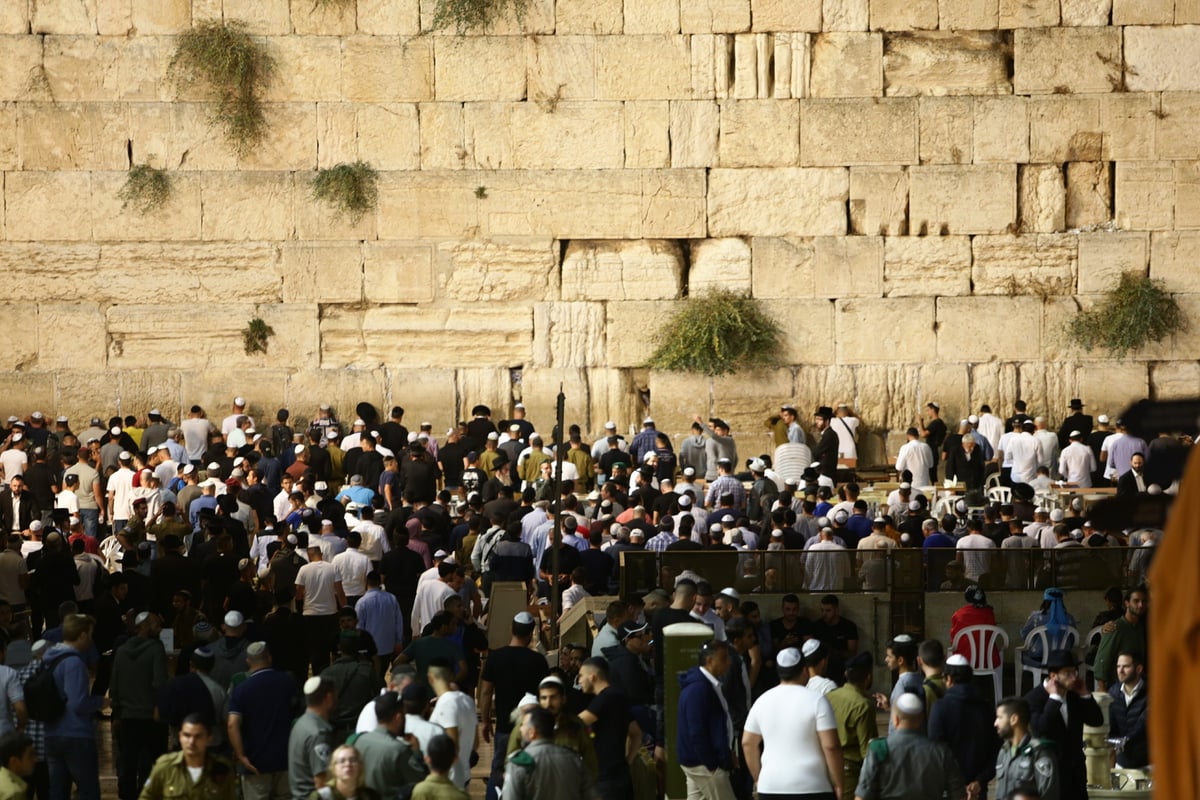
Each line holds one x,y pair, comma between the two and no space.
922,191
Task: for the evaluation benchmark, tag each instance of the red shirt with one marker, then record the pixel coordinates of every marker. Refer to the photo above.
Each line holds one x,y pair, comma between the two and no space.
967,616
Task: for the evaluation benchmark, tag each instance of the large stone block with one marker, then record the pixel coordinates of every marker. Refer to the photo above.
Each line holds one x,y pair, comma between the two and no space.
945,63
782,268
786,15
695,133
398,272
247,205
502,270
327,19
151,17
323,272
190,272
968,15
318,219
924,266
1162,58
1114,388
1041,264
29,392
676,397
538,391
387,69
14,18
94,68
719,264
715,16
976,199
310,68
878,201
424,394
631,328
1145,196
264,17
138,391
408,336
639,270
479,68
178,220
1175,126
536,17
995,384
745,400
846,64
341,388
1187,12
647,134
178,136
1041,198
888,132
605,17
1029,13
22,320
1085,13
1089,194
652,16
989,328
1065,129
947,129
849,266
22,55
571,135
65,16
568,335
760,133
1173,259
859,323
777,202
903,15
624,71
68,335
9,153
290,141
47,206
388,17
1001,132
1104,256
1175,380
1129,121
1187,195
442,143
844,15
492,387
1067,60
561,68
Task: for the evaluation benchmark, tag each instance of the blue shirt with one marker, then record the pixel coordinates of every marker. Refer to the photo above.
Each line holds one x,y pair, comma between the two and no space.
357,494
71,677
199,504
264,701
379,615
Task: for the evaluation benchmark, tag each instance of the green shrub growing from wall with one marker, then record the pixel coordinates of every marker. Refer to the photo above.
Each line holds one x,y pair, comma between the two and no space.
716,334
147,189
1137,311
353,189
473,15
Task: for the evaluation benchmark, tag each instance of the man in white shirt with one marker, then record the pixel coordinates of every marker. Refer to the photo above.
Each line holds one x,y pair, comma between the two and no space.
120,492
845,425
431,595
1047,444
826,564
1077,462
352,567
972,551
1026,454
374,537
915,457
13,461
455,711
318,587
230,423
195,429
991,426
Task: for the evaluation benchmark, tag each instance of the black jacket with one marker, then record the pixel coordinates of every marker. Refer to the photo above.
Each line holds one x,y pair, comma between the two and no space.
964,721
1129,722
826,453
630,674
28,511
1127,484
968,469
1048,723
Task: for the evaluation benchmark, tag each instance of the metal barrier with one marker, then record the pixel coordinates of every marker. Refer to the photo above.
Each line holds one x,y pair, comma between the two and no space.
898,571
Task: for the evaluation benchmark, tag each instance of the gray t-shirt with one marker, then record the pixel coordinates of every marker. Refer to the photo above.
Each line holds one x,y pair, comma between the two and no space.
88,478
309,746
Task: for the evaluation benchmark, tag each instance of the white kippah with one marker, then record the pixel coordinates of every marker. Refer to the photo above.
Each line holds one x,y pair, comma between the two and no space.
902,638
909,703
810,647
312,684
957,660
788,658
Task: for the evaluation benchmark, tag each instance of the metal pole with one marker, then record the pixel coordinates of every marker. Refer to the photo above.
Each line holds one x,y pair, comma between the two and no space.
556,506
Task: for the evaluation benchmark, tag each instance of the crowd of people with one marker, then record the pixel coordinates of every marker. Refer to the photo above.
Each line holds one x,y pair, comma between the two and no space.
293,611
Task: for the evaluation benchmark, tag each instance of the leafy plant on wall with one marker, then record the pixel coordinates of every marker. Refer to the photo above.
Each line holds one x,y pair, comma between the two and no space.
147,189
474,15
718,333
1135,312
353,189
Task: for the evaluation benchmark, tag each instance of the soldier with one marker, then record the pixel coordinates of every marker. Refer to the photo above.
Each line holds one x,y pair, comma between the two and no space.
543,768
906,765
855,714
1023,760
172,775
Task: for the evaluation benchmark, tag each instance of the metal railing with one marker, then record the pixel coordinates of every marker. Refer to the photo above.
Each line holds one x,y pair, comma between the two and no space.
902,570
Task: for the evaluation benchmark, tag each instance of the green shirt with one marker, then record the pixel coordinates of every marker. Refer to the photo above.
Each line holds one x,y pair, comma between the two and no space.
438,787
389,764
12,785
170,778
915,769
425,649
855,716
1129,636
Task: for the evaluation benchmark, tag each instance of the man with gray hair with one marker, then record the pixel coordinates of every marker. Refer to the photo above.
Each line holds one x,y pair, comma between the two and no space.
907,765
965,462
260,718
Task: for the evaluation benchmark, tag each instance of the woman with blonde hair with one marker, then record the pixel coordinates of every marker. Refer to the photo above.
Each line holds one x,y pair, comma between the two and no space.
346,767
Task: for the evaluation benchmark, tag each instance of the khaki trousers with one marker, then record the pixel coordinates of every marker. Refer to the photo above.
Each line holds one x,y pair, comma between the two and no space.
705,785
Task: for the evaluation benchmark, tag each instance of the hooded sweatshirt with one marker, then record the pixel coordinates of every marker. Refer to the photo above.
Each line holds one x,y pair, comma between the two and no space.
139,668
229,655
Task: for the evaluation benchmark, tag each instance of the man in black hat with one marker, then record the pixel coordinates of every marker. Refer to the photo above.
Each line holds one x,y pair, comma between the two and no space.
1060,708
1078,421
826,452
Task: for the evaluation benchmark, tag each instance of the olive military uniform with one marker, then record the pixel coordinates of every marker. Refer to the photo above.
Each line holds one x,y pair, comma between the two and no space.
170,779
568,733
1033,761
910,767
856,724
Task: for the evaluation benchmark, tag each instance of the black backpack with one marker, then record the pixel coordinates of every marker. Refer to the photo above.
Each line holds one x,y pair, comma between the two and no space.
43,700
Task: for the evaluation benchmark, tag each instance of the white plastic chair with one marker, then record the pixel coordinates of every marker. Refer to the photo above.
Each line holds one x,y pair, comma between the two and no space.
943,507
1067,640
1092,637
1000,494
985,652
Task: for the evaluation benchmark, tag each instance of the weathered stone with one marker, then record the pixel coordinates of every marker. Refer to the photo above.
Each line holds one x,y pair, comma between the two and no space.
341,388
22,320
1145,196
325,19
189,272
1064,129
1173,259
65,16
536,17
567,135
247,205
782,268
1024,265
1086,13
1175,134
748,80
615,394
945,63
745,400
621,72
22,54
479,68
22,392
317,220
424,394
968,15
152,17
1028,13
847,64
9,153
895,396
978,199
1114,387
98,69
603,17
538,391
290,141
489,386
631,327
902,15
1175,380
1187,12
398,272
264,17
652,16
1089,194
695,133
561,68
888,132
568,335
947,385
777,202
313,68
878,201
719,264
715,16
923,266
14,18
760,133
675,397
68,335
115,18
861,323
1001,132
177,220
647,134
389,17
383,69
1067,60
408,336
1187,195
850,266
502,270
994,384
46,206
1042,198
1104,256
442,142
989,328
178,136
639,270
786,15
322,272
947,129
844,15
1162,58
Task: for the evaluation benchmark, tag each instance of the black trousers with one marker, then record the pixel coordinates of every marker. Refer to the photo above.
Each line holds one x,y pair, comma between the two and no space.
137,744
320,636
